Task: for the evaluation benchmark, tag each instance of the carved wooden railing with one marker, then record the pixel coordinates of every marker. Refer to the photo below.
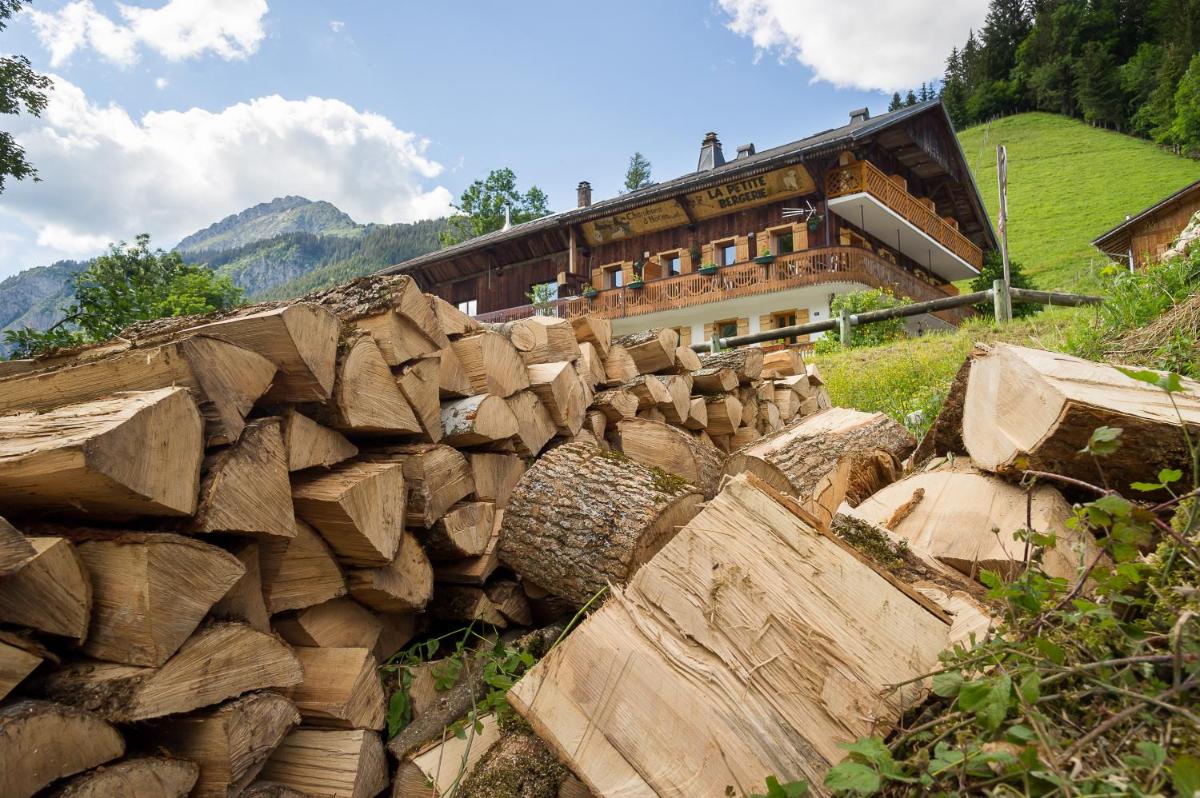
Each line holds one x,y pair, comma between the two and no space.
795,270
864,176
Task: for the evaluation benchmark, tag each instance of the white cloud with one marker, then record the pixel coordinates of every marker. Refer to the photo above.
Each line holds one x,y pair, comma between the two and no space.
336,25
178,30
862,44
106,175
161,83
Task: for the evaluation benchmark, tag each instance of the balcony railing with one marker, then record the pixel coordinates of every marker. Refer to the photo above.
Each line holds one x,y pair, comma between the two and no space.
795,270
865,177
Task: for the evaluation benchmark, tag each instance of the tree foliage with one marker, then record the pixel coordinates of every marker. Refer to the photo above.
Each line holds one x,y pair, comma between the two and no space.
868,334
993,270
20,87
131,283
481,207
637,175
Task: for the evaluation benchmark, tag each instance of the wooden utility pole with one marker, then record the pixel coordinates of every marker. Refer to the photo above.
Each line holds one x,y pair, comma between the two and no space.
1003,308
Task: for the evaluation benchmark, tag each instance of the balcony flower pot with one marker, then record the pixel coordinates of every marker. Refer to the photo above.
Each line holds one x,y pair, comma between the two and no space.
708,269
766,259
636,284
590,293
814,222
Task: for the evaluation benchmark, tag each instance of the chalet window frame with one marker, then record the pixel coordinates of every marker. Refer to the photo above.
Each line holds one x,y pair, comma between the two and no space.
612,275
775,234
720,324
468,306
719,248
784,318
664,259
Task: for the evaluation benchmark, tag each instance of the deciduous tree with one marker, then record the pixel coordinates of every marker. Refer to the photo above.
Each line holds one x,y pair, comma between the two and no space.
20,87
481,207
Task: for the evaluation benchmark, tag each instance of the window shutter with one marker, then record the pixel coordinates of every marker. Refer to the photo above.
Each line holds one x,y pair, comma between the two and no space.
706,255
799,237
764,322
802,318
742,244
598,279
685,262
685,335
708,331
762,242
743,326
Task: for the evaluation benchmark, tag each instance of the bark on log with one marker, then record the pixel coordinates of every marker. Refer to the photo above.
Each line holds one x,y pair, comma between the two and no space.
130,454
572,539
827,458
392,309
419,381
535,427
358,507
519,762
15,550
244,601
300,572
495,476
219,662
244,487
745,362
596,330
225,381
41,743
491,363
340,690
403,585
651,350
52,593
143,777
435,475
346,764
478,420
310,444
366,399
672,450
231,742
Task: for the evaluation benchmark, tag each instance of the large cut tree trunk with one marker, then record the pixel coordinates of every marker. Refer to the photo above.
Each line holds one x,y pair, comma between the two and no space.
581,518
225,379
827,458
673,450
1026,408
42,742
143,777
131,454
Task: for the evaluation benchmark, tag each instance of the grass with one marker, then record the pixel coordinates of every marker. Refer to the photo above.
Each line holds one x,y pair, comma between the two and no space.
1068,183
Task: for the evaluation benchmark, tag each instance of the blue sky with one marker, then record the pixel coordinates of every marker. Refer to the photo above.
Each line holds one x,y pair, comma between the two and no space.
169,114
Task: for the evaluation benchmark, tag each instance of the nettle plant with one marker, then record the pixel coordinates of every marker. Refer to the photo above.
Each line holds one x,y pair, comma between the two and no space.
1091,685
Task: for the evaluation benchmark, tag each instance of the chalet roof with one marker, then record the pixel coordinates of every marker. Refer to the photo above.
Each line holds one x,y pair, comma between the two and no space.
1117,234
793,152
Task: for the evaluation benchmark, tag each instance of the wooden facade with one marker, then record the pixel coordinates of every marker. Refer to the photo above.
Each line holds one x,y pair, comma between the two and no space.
1143,238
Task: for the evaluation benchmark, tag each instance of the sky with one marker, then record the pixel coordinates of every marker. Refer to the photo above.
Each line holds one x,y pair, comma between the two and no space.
168,115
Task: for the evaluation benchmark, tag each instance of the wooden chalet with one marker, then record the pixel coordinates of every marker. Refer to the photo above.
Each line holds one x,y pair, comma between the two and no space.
1144,237
885,202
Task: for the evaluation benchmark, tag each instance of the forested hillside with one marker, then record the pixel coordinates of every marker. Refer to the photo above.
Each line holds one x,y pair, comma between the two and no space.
1127,65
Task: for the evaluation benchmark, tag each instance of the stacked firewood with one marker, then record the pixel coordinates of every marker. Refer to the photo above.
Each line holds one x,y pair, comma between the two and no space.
215,529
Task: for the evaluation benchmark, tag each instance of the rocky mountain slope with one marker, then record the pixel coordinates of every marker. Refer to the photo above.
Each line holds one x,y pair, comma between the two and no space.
269,219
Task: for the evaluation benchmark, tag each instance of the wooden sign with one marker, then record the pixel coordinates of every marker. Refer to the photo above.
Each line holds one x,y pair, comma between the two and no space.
749,192
634,222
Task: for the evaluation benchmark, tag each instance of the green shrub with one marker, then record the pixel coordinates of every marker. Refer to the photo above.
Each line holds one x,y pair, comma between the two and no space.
993,270
868,334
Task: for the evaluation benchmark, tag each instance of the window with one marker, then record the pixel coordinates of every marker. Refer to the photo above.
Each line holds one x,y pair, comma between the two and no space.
785,318
543,292
783,244
468,306
672,264
727,328
726,252
613,276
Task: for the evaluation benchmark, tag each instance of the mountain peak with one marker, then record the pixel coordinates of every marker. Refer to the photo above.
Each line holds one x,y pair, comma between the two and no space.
290,214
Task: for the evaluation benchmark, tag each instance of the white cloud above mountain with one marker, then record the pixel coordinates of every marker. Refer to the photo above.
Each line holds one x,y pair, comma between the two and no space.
862,44
178,30
107,175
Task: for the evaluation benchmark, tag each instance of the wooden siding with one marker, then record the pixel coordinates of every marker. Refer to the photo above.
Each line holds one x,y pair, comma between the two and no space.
1153,236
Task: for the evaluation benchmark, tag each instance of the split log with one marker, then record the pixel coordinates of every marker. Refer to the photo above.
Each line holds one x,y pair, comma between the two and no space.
300,572
595,330
787,402
392,309
742,437
724,414
405,584
540,339
143,777
231,742
747,362
495,476
337,623
833,456
769,417
244,487
597,424
478,420
358,507
225,381
572,539
15,550
300,339
672,450
510,600
419,381
435,475
218,662
749,399
19,657
310,444
616,404
474,570
535,427
438,768
652,414
452,320
149,591
398,629
679,393
619,367
462,532
129,454
465,604
452,377
749,583
651,350
697,417
558,387
270,789
491,363
41,743
966,519
944,435
52,593
333,762
1026,408
366,399
784,362
649,391
341,689
590,365
244,601
714,380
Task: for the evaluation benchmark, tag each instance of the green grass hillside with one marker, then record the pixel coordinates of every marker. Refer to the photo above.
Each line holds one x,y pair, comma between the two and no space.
1068,182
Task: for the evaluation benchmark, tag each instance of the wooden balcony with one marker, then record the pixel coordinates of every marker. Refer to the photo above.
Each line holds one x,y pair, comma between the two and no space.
796,270
863,177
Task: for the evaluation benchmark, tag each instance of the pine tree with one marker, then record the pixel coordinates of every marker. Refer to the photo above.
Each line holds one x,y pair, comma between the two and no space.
910,98
1004,28
1098,87
1185,132
637,175
896,104
954,91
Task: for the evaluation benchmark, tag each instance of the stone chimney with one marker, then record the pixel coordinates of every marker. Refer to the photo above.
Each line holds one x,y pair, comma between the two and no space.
710,153
859,117
583,194
745,151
